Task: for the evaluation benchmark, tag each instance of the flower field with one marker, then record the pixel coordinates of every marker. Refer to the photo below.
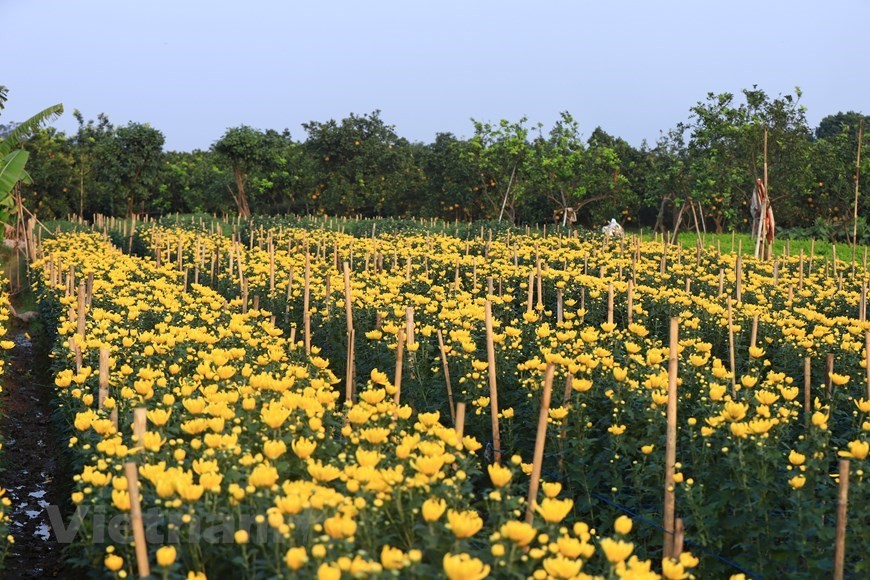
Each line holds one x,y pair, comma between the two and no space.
303,393
5,502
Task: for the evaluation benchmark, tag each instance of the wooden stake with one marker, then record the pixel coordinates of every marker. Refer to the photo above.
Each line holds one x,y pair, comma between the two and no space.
531,291
80,312
141,547
671,439
104,376
460,420
842,514
348,390
446,375
867,360
493,388
400,353
540,439
306,299
829,368
409,325
807,389
754,333
629,309
610,302
140,424
731,348
679,538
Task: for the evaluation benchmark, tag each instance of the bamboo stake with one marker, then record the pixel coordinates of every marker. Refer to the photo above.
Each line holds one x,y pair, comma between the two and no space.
531,291
493,388
540,439
610,302
104,376
867,360
829,368
446,375
141,547
400,353
348,391
306,300
754,333
842,514
460,420
559,308
139,424
679,538
671,439
409,325
80,312
807,389
629,309
731,348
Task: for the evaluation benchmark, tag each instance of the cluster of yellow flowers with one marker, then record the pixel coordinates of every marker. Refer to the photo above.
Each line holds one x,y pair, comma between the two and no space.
242,423
245,434
5,345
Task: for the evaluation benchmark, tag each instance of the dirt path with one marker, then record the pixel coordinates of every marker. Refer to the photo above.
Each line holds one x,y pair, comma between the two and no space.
30,461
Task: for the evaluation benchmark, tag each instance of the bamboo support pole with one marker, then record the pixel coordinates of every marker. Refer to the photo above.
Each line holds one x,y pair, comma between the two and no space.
671,439
807,389
829,368
559,307
493,387
753,335
141,547
540,439
306,301
679,538
103,377
348,389
140,424
409,326
867,360
80,311
531,291
446,375
610,302
400,354
842,516
731,348
460,420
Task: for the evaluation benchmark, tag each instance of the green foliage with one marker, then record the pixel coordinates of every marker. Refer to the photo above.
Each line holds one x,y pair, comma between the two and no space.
12,159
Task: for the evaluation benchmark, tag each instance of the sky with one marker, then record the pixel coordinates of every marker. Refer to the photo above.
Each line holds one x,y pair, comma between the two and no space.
635,68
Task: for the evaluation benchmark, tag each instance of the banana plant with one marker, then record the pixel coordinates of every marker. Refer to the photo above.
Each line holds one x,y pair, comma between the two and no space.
13,158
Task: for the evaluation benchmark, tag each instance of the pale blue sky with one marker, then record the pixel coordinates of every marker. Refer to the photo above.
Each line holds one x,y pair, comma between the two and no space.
194,68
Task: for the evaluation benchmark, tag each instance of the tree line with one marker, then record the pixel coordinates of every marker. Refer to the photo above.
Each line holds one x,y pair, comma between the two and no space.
701,172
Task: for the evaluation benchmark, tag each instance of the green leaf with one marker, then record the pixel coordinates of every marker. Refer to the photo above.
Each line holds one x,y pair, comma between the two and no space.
11,171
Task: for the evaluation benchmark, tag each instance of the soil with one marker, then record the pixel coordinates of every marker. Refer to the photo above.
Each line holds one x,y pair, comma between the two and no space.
30,461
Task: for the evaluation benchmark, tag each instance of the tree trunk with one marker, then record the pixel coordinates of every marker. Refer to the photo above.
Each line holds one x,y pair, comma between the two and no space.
240,197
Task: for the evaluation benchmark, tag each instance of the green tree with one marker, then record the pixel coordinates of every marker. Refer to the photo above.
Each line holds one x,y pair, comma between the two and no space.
137,151
90,144
498,153
250,154
52,167
451,180
13,159
362,166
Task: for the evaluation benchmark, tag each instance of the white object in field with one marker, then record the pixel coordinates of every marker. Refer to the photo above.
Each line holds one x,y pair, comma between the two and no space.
613,229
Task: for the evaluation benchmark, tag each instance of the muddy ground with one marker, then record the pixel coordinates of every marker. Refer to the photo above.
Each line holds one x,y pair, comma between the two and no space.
31,461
